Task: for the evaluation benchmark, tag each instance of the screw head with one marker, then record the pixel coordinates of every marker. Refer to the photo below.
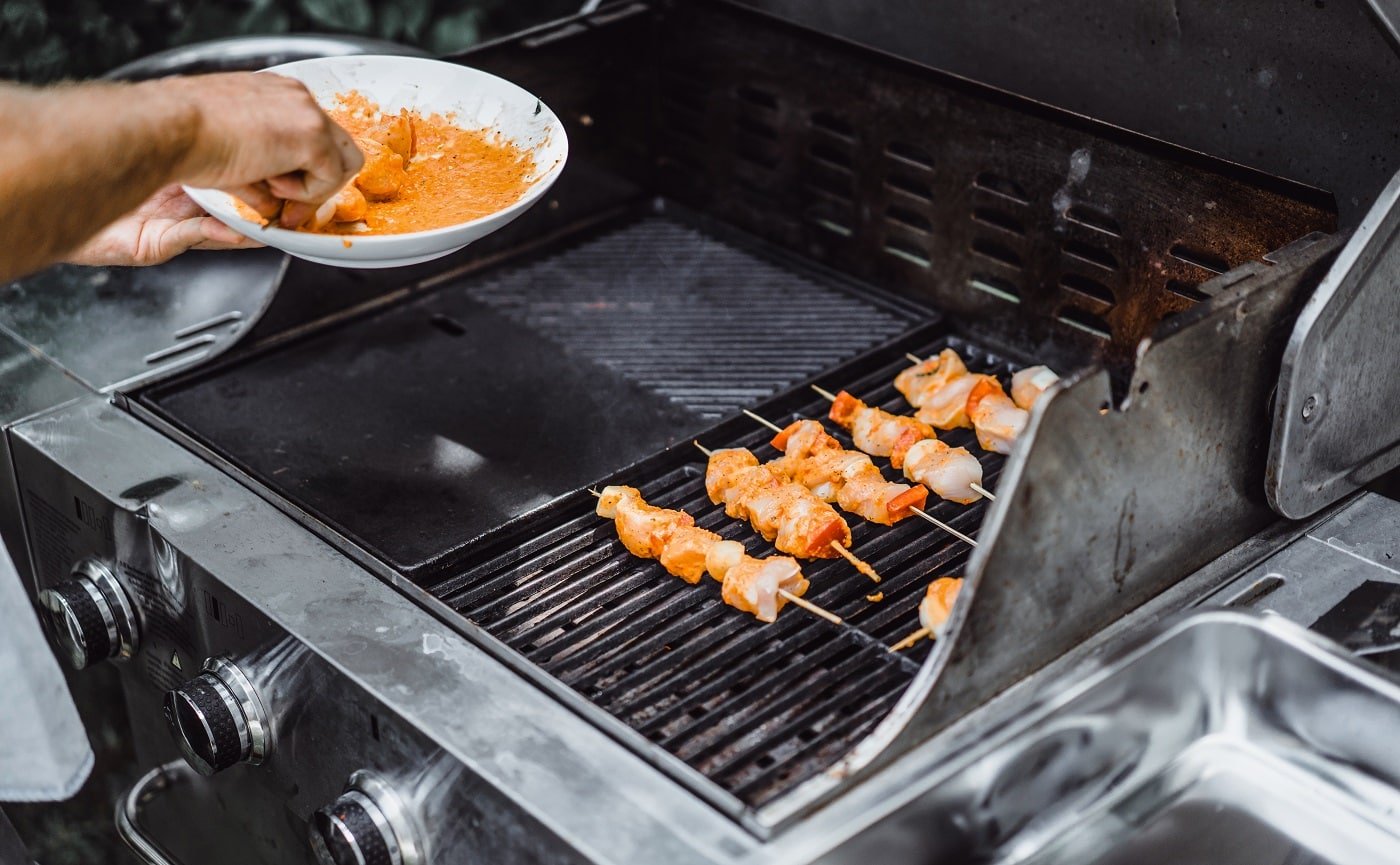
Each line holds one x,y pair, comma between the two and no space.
1309,407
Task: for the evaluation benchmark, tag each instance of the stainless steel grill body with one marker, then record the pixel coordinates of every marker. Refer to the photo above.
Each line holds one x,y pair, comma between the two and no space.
392,538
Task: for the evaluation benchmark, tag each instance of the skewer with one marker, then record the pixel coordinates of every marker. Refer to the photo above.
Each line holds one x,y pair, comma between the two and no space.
795,600
945,527
859,564
763,420
914,357
831,397
911,639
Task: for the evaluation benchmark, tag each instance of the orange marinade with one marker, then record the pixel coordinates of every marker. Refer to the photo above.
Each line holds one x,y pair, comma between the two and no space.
455,175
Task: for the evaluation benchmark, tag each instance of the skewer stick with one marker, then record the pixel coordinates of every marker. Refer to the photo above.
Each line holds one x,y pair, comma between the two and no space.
945,527
809,606
826,394
704,450
783,593
983,491
911,639
859,564
914,357
772,426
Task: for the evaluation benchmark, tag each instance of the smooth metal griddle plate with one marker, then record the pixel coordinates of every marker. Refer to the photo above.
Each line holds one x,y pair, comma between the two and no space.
416,429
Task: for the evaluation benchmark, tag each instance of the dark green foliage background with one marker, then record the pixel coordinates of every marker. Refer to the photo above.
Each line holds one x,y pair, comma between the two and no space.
45,41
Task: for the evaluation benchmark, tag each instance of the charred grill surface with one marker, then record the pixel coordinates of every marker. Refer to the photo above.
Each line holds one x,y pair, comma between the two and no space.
756,709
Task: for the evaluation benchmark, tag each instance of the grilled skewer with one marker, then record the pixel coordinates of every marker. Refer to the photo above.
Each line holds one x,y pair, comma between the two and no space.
912,445
824,475
787,514
934,609
757,586
948,396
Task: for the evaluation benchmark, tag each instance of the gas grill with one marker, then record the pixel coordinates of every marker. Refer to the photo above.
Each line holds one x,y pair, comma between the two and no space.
347,515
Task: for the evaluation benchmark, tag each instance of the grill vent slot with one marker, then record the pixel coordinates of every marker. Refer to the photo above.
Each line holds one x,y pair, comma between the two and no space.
1002,186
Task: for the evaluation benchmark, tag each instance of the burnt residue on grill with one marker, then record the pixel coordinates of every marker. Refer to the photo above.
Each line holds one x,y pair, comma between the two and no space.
755,708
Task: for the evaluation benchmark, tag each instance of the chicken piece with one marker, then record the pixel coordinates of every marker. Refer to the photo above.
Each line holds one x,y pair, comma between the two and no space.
350,205
752,585
397,134
685,552
642,528
937,604
946,408
722,476
791,516
926,377
382,175
876,431
1028,384
720,557
948,471
873,498
995,417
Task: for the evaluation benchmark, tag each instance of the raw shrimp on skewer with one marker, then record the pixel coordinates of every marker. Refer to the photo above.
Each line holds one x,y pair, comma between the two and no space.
820,463
1028,384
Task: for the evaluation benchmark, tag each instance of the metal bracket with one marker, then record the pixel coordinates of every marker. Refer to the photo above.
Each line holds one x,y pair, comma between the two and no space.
1335,427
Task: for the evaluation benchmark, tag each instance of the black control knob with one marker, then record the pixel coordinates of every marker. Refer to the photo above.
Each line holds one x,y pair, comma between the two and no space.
90,616
367,825
217,719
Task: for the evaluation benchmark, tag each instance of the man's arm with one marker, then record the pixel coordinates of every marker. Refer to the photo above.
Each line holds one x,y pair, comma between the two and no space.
75,158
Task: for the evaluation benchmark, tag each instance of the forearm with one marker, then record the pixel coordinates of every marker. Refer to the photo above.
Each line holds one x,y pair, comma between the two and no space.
74,158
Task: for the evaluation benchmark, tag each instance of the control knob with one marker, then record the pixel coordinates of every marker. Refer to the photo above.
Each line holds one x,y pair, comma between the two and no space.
217,719
91,616
367,825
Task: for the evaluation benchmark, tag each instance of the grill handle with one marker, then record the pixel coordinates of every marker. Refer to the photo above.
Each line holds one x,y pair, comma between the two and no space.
129,807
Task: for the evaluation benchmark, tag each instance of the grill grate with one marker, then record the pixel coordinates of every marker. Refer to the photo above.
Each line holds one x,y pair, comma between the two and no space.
687,315
756,709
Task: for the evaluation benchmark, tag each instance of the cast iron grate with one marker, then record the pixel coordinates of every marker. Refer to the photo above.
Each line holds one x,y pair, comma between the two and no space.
687,315
756,709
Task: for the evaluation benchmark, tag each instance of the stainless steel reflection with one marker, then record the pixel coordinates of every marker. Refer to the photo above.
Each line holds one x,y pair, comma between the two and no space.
1222,720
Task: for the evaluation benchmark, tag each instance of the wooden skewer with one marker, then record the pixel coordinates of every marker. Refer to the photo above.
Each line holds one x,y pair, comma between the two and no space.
809,607
860,565
911,639
826,394
983,491
795,600
914,357
763,420
945,527
704,450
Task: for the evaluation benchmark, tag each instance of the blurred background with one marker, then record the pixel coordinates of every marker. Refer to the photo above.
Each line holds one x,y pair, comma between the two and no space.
45,42
50,41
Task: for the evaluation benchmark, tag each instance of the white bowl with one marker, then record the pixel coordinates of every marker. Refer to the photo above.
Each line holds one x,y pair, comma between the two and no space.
479,100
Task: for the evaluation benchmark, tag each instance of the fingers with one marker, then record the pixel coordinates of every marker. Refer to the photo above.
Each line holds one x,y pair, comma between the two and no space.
200,232
296,214
259,197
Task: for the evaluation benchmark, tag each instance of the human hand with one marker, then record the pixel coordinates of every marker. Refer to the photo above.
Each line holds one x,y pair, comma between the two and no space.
160,228
263,138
